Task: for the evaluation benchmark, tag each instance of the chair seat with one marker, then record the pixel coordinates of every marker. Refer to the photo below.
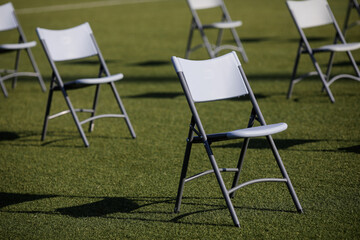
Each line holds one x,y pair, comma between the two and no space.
339,47
15,46
224,25
91,81
257,131
107,79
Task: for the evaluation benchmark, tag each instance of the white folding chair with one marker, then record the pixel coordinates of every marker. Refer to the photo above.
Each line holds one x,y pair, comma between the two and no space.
353,5
218,79
8,22
317,13
225,23
77,43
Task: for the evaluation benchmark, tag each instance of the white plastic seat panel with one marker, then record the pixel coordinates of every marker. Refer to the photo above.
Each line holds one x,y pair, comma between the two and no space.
340,47
79,83
224,25
15,46
257,131
112,78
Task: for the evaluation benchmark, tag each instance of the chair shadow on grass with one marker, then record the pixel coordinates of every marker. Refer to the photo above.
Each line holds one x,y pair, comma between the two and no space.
27,138
158,95
152,63
108,207
352,149
22,138
8,136
172,95
101,207
262,143
61,139
255,143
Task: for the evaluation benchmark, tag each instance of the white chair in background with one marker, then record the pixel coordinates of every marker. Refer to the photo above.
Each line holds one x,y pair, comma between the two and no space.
225,24
317,13
70,44
9,22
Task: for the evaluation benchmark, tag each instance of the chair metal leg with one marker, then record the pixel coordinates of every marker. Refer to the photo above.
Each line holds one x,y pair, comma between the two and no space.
77,122
329,66
347,17
207,44
239,44
322,78
47,111
356,68
185,166
219,37
122,108
36,69
284,174
188,46
240,163
17,58
243,152
92,123
183,176
293,76
3,88
222,185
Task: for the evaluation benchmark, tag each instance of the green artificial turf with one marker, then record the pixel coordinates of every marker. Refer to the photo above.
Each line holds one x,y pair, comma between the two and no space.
124,188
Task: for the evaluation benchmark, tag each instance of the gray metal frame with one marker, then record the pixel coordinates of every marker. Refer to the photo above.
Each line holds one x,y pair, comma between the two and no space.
212,49
353,4
14,73
326,79
197,134
57,84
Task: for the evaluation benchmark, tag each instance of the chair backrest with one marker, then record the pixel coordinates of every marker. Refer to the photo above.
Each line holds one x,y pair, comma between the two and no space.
213,79
68,44
204,4
310,13
8,20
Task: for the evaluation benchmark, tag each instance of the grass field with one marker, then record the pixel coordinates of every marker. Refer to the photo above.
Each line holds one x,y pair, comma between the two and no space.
124,188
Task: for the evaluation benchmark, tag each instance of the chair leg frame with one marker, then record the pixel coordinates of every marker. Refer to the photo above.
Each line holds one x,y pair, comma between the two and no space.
72,110
122,108
213,51
352,4
304,48
15,74
318,72
325,78
47,111
228,194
